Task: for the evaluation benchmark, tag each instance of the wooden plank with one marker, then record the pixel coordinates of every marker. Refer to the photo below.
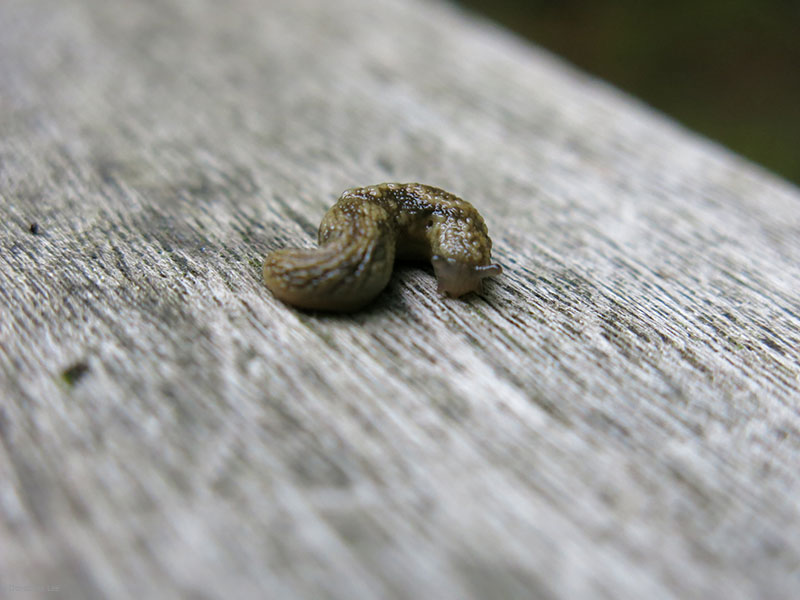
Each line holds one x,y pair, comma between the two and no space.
616,417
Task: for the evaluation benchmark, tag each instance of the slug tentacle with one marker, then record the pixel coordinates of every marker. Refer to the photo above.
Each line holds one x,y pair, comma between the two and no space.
362,233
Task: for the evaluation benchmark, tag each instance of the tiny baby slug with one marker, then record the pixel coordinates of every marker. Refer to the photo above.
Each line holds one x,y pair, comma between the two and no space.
365,230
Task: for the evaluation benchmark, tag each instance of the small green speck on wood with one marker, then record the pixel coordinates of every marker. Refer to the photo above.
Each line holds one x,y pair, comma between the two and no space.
74,373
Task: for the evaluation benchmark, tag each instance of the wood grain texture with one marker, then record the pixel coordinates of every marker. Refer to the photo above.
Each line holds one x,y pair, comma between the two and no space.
616,417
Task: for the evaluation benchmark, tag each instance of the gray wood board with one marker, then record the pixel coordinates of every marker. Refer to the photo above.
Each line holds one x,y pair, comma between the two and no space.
615,417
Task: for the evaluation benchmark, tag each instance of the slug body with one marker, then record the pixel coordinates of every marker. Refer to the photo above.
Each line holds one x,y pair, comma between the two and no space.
362,234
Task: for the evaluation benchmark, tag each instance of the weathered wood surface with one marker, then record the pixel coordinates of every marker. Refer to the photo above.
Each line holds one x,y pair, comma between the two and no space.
617,417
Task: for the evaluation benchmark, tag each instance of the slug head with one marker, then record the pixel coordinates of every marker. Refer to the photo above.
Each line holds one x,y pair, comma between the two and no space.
457,278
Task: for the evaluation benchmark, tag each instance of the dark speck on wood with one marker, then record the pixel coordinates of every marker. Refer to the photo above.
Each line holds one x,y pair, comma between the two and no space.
75,372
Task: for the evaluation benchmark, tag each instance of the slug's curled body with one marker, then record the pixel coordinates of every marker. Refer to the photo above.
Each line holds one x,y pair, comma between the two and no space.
366,229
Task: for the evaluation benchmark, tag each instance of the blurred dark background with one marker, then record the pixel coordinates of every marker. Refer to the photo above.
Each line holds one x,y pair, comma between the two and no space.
729,69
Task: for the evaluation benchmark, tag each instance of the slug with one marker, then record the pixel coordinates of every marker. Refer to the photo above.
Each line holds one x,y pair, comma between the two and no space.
362,234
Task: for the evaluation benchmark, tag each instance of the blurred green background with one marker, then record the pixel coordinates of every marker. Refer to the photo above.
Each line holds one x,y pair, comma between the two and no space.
729,69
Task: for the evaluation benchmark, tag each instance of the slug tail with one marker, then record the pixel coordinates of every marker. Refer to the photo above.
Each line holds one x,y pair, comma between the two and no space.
334,277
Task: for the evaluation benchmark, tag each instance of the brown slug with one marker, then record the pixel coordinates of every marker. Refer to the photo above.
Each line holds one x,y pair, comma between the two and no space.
365,230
